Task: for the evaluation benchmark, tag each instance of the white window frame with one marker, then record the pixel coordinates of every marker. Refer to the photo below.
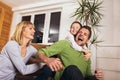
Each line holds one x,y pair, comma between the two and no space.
47,21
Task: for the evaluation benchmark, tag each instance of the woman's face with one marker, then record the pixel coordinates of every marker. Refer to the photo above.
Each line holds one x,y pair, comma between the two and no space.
74,28
28,32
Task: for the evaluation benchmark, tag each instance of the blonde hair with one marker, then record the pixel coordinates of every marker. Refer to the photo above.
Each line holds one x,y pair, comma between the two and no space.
18,31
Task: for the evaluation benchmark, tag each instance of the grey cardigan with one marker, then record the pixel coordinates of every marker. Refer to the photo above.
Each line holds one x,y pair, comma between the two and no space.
11,61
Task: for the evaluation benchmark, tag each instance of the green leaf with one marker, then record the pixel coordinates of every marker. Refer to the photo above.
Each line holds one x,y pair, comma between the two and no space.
89,12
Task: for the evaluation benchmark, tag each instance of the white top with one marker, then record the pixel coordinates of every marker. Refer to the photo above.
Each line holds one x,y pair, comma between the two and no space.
11,61
71,39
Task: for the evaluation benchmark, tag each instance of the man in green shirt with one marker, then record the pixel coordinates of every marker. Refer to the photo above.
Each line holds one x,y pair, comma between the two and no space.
69,56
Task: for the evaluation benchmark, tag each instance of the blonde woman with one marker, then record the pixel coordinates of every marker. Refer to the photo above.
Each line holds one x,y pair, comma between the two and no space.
17,52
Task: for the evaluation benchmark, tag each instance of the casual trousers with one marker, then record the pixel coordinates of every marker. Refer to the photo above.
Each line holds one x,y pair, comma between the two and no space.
45,74
73,73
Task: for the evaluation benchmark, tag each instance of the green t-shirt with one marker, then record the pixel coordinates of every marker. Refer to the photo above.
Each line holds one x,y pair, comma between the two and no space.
68,56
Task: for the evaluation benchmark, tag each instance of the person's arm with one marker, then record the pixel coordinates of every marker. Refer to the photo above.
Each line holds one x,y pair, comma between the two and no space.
89,76
88,70
70,38
55,49
13,51
33,60
53,63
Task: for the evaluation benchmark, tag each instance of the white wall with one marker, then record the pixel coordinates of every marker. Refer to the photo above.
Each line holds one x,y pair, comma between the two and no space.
108,53
108,59
64,5
111,21
108,56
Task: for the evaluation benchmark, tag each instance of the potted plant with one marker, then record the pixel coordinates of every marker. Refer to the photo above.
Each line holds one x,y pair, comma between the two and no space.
88,13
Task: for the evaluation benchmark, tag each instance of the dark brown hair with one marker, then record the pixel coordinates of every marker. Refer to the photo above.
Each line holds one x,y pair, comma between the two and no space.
89,29
76,22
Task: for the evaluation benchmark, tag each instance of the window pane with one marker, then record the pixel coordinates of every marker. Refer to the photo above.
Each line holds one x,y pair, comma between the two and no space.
39,25
26,18
54,27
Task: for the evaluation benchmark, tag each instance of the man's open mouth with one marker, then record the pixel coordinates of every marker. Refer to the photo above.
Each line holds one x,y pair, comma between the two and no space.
81,39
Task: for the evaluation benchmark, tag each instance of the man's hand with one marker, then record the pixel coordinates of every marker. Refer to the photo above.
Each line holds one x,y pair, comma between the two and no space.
54,64
99,74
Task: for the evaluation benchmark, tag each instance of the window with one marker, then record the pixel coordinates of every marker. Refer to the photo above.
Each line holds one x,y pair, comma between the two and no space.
39,26
46,26
54,27
26,18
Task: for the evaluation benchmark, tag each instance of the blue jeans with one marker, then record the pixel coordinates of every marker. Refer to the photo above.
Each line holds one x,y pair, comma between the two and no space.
45,74
72,73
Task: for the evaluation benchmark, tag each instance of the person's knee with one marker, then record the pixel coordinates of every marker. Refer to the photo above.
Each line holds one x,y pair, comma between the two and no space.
72,72
72,67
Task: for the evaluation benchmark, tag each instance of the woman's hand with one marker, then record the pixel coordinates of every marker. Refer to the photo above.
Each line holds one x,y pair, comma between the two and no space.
87,56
